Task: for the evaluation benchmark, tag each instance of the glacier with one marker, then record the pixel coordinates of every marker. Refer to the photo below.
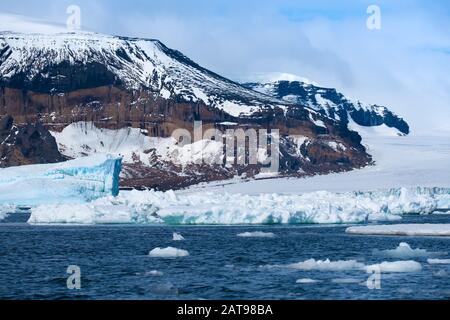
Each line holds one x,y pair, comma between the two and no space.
211,208
75,181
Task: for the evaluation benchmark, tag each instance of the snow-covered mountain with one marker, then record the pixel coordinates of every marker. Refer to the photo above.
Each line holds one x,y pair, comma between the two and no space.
126,96
331,103
59,63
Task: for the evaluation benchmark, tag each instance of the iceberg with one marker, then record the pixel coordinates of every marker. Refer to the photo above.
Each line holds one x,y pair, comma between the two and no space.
76,181
213,208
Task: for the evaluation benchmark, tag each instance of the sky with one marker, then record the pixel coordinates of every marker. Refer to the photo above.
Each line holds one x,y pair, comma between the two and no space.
404,65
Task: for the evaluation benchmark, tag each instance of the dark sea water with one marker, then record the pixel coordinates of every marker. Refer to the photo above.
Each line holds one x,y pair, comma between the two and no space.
115,264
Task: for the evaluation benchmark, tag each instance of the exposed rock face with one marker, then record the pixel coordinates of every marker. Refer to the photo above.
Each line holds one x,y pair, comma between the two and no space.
26,144
331,103
117,83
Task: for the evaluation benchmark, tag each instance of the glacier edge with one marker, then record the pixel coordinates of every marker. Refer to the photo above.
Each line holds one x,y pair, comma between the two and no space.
80,180
212,208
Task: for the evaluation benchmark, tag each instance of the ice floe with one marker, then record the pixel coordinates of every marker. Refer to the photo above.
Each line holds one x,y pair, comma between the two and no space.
168,252
404,251
396,267
352,265
256,234
438,261
403,230
196,208
307,281
327,265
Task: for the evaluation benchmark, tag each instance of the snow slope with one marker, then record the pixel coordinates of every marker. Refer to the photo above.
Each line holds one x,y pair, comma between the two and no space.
80,180
84,138
330,102
135,63
409,161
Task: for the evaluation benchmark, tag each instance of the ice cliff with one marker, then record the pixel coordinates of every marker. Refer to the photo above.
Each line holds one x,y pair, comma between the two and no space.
150,207
80,180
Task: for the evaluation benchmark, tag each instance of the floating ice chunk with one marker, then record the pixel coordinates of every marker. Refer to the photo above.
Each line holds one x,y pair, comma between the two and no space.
349,265
256,234
307,281
396,267
404,251
168,253
442,212
327,265
177,237
403,230
438,261
79,180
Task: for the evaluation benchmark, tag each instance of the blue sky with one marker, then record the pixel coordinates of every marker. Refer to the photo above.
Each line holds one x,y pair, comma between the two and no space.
404,65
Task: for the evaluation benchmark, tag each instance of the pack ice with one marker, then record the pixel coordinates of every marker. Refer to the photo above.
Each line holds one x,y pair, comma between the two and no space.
209,208
80,180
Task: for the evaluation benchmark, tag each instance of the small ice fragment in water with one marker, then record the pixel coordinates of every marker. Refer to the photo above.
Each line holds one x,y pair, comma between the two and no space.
403,230
438,261
256,234
327,265
307,281
168,253
404,251
396,267
177,237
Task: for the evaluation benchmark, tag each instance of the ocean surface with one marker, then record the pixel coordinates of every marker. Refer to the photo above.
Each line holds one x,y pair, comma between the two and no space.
115,264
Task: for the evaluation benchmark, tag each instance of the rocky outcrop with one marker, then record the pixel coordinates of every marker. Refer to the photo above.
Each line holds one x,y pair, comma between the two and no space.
48,82
26,144
331,103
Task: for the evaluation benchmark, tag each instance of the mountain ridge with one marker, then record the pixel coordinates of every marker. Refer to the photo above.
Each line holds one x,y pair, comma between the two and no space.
112,83
330,102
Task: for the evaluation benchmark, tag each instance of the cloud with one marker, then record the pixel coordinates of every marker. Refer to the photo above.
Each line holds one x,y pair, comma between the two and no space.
404,65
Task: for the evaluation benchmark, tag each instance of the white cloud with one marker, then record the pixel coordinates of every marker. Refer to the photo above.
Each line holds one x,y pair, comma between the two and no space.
404,65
